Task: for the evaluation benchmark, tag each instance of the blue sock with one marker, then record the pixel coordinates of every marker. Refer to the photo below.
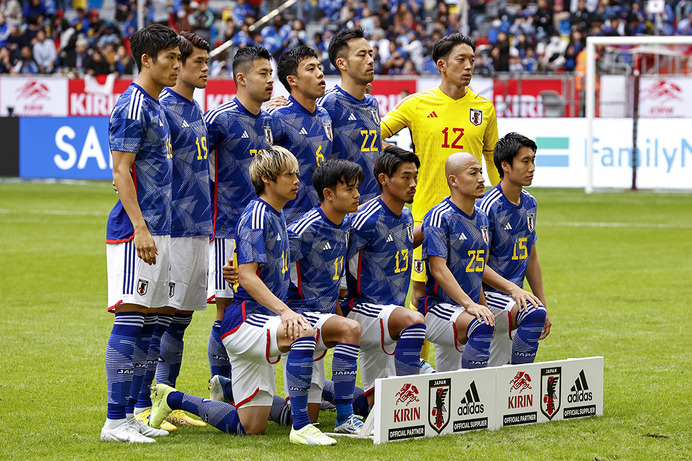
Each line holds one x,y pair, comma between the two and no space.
219,364
299,377
144,401
280,412
360,402
477,348
171,355
525,342
407,353
344,368
140,359
221,415
119,368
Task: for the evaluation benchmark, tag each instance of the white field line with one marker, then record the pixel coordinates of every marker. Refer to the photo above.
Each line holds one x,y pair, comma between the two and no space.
639,225
54,212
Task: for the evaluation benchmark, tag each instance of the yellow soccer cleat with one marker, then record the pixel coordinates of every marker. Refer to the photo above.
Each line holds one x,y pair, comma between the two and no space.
180,418
165,425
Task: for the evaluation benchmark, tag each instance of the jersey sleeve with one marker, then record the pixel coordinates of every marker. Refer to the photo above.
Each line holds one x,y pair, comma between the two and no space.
277,128
215,133
296,245
398,118
251,247
489,140
126,134
359,239
435,239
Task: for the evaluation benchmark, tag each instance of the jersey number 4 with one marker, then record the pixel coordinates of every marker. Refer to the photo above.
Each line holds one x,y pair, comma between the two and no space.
456,144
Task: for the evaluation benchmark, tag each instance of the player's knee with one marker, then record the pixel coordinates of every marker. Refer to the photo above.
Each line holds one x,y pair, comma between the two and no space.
482,331
350,331
535,316
306,331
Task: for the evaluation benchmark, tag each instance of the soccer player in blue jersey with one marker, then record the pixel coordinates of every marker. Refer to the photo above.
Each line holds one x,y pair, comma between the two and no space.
139,226
237,130
355,114
301,126
379,267
455,246
520,316
190,225
318,251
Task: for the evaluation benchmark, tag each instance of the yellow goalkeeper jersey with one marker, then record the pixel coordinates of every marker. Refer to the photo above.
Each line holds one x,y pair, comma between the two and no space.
441,126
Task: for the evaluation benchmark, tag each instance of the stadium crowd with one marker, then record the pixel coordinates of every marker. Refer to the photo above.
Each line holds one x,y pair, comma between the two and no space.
92,36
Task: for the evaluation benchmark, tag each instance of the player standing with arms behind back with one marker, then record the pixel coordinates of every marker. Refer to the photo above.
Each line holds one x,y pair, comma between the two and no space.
447,119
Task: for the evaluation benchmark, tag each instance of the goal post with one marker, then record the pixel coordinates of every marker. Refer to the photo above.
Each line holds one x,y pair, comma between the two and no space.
590,84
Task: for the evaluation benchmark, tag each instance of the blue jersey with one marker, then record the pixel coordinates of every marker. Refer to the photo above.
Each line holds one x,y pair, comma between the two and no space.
235,135
191,205
308,135
462,240
260,238
512,232
357,138
380,252
138,125
318,251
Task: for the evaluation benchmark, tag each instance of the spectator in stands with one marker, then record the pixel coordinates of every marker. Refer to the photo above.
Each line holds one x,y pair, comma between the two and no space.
515,64
240,11
523,25
81,22
26,64
5,60
554,58
97,64
181,18
202,20
124,64
685,25
582,18
297,35
529,61
12,10
37,7
122,10
543,20
45,54
403,20
500,53
75,59
230,29
5,30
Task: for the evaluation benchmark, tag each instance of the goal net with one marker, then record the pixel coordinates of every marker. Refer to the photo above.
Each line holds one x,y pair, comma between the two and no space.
638,108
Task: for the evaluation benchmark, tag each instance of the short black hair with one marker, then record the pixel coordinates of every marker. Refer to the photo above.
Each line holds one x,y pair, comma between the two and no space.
508,147
150,41
391,159
289,61
445,45
334,171
340,41
248,55
188,42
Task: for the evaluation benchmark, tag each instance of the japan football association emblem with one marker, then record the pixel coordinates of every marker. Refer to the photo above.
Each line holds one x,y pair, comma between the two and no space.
418,266
531,219
438,403
268,135
476,117
375,115
550,391
409,230
328,130
171,289
142,287
485,234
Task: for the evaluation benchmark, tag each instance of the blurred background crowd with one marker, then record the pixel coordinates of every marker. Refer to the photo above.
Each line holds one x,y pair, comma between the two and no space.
78,37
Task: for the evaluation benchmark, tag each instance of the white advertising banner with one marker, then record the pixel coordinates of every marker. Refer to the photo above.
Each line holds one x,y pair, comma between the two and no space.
665,97
33,96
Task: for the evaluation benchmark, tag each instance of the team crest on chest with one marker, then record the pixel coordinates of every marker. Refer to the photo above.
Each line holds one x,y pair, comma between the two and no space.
268,135
328,130
409,230
375,115
531,219
485,234
476,117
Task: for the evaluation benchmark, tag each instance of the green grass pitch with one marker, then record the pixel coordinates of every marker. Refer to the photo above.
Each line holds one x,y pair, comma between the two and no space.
617,270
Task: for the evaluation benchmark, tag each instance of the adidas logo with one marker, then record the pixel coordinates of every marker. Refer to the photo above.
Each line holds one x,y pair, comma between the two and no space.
432,115
352,117
278,237
303,131
462,236
579,392
390,238
327,246
245,135
508,226
160,123
185,124
471,403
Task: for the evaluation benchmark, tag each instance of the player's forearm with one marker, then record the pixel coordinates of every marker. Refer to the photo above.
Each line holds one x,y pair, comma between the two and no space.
417,236
449,284
495,280
128,197
256,288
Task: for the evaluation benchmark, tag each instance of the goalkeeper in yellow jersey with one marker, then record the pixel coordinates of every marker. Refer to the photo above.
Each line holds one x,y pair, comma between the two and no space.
446,119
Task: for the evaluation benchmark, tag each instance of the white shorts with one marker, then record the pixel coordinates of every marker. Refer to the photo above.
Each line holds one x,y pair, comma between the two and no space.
441,330
253,351
375,359
316,319
501,306
189,265
132,281
220,251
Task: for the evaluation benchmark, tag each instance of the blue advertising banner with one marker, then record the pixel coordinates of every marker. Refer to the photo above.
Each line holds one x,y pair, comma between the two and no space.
64,147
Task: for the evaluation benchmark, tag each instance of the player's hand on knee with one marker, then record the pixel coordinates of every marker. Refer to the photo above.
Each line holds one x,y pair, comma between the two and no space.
230,272
546,327
482,313
145,246
294,323
523,297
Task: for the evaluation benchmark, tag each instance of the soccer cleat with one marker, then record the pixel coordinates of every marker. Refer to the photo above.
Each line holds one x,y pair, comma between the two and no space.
310,435
143,417
426,368
124,432
180,418
146,429
352,425
221,389
159,404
